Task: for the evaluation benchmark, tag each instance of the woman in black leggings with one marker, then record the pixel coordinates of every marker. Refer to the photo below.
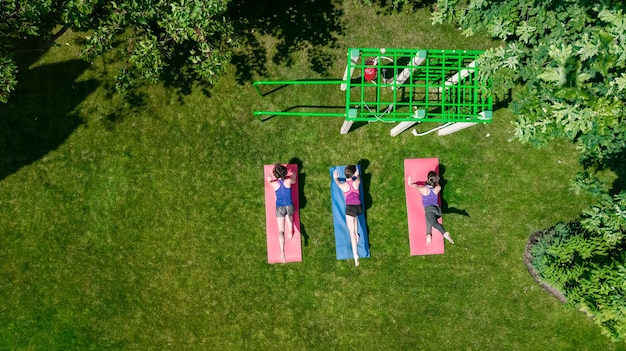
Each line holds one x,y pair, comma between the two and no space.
430,199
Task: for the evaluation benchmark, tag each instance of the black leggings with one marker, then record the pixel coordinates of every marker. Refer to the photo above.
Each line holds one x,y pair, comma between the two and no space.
433,213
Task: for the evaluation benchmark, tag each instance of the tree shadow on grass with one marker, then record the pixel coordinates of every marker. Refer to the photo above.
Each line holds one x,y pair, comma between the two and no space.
387,6
181,76
40,114
297,24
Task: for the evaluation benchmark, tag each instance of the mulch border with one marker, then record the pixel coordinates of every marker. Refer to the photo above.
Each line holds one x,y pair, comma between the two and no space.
532,240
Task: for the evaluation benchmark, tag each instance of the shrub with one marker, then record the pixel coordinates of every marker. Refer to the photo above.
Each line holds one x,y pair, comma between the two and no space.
585,261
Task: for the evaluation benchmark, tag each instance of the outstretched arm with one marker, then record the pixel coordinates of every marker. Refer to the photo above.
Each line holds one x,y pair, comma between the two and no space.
413,184
292,177
272,181
336,178
357,180
342,186
437,187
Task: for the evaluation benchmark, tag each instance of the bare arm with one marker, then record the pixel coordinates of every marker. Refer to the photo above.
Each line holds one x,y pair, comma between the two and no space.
292,177
420,186
271,180
341,186
357,181
437,189
414,184
410,182
336,178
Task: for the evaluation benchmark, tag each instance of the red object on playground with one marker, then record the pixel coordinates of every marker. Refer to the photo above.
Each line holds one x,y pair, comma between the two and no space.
418,169
293,248
370,73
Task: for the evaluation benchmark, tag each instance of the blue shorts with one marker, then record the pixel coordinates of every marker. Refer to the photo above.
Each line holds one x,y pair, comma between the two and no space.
282,211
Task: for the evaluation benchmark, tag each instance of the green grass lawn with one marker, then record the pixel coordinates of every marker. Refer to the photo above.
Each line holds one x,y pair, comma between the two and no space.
140,224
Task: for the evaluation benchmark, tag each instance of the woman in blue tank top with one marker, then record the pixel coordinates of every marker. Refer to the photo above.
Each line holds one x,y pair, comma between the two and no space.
281,183
430,201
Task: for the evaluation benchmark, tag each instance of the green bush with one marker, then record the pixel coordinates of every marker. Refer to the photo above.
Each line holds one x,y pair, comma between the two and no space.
585,261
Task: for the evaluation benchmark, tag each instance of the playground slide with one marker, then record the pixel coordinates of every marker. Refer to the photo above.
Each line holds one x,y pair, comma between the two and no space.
293,249
418,169
342,238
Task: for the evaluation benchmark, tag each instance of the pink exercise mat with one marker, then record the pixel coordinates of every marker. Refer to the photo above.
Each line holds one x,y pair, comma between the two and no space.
293,248
418,169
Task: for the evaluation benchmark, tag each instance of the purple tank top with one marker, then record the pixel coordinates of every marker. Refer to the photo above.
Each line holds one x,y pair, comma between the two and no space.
283,194
352,196
431,199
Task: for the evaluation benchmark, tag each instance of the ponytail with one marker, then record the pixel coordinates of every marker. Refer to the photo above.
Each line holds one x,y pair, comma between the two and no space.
432,179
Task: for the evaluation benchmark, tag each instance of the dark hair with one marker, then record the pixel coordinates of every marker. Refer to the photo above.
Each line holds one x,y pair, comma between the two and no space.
349,171
432,178
280,171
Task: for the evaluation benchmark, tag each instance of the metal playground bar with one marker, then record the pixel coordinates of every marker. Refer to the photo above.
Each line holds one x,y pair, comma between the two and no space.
406,86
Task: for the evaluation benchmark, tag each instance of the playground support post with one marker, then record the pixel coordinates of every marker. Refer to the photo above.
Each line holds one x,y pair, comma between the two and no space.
402,126
455,127
345,127
354,58
459,76
417,60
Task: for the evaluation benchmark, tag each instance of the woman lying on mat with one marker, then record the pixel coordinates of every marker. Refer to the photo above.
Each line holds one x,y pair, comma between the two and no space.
350,190
430,199
281,183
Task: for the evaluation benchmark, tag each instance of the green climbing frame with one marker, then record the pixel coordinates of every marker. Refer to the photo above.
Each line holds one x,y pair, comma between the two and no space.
407,85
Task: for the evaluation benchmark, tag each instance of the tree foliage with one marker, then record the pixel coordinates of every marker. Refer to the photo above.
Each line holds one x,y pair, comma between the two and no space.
193,37
21,20
566,62
569,57
153,32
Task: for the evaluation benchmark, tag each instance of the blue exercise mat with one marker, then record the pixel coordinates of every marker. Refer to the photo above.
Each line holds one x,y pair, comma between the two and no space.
342,238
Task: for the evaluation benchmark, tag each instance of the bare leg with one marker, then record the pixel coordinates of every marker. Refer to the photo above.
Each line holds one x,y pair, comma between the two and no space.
289,226
281,237
352,230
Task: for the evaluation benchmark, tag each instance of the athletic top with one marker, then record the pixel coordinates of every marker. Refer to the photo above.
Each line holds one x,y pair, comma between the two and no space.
431,199
283,194
352,196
